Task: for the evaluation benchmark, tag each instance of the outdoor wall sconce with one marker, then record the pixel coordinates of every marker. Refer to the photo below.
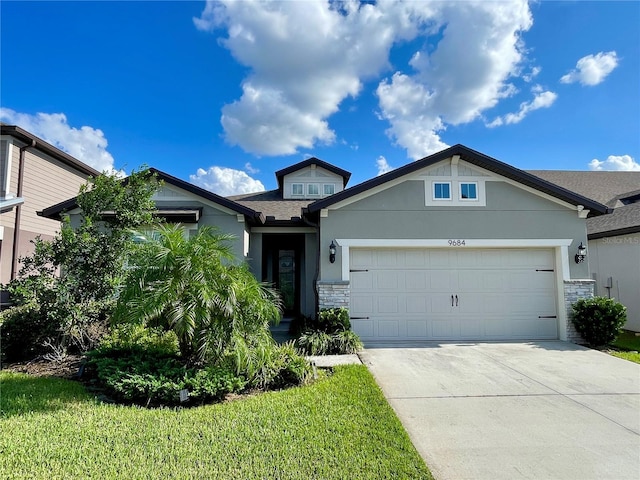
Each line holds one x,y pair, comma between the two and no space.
582,253
332,252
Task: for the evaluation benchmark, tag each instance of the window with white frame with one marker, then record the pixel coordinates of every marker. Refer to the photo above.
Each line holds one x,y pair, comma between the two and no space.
468,191
442,190
329,189
313,189
297,189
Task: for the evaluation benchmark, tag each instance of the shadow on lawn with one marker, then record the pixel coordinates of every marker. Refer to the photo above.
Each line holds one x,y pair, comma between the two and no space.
21,394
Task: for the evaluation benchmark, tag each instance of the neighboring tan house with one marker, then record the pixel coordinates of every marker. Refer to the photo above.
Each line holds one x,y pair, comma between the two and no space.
33,175
614,240
456,246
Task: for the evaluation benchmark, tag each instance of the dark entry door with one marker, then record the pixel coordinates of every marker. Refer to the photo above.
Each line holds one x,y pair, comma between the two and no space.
282,266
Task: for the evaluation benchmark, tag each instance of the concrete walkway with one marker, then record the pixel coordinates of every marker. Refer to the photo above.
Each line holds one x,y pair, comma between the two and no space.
549,410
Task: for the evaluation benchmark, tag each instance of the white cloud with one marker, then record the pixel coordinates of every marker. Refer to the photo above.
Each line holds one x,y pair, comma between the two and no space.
615,162
467,73
383,165
226,181
87,144
528,77
541,99
250,169
305,58
592,69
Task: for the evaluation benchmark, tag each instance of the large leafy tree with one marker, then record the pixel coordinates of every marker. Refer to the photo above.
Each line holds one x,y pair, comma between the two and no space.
193,286
71,281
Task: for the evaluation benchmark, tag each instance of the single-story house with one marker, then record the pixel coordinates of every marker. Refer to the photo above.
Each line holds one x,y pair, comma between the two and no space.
33,175
455,246
614,240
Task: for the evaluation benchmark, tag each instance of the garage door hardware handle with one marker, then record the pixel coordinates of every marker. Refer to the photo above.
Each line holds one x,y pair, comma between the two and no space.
545,270
547,316
456,300
452,300
358,270
359,318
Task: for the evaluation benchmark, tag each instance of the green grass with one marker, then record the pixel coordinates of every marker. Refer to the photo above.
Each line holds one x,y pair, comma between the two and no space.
340,427
627,343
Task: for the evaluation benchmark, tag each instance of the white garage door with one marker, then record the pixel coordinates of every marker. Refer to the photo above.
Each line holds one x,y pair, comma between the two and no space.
453,294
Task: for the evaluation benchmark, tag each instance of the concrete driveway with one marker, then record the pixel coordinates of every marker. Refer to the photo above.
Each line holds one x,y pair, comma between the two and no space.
549,410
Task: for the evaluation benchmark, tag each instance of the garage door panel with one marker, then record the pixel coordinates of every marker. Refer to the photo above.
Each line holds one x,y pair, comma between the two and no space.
388,280
361,304
416,304
388,328
417,329
388,305
361,281
415,280
364,328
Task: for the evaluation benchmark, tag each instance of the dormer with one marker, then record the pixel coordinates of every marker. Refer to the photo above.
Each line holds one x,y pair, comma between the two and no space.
311,179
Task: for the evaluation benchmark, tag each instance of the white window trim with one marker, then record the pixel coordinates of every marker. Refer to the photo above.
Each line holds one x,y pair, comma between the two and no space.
468,199
325,185
309,185
297,194
7,186
433,190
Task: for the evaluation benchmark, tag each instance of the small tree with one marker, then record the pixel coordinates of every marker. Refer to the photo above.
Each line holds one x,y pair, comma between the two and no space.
191,286
89,255
599,320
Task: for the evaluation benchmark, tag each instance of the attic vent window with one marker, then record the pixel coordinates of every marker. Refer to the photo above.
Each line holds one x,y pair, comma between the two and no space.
313,189
329,188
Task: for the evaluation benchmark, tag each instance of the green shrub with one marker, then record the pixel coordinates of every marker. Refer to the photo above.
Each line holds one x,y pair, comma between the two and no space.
137,337
321,343
24,330
145,378
332,320
598,320
299,325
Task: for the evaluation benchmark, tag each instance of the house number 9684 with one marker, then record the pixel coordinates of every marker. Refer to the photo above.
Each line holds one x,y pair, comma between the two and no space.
457,243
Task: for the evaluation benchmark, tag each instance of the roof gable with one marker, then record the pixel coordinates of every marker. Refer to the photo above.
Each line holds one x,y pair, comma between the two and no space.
55,212
280,174
474,158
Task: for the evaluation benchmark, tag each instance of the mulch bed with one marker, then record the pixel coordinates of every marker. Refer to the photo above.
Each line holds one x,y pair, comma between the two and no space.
66,367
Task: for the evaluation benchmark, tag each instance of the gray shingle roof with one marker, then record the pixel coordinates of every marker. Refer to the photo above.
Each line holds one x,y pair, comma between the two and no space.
270,203
603,187
608,188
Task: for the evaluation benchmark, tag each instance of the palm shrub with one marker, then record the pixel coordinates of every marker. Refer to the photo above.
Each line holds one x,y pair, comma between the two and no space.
218,310
599,320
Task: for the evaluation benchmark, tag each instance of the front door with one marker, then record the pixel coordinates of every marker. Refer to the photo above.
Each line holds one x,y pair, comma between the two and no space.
282,257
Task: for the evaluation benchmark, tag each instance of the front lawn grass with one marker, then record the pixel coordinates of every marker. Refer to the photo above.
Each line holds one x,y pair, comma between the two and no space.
629,345
340,427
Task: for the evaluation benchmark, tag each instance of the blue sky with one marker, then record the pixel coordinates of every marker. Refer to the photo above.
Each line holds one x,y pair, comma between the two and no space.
223,94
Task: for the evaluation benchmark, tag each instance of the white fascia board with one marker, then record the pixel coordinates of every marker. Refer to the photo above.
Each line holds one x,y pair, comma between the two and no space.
8,203
560,244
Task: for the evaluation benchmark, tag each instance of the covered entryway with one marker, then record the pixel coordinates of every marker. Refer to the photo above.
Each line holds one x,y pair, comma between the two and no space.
454,293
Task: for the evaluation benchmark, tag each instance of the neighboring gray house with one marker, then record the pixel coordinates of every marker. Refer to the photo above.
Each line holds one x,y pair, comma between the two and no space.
456,246
33,175
614,240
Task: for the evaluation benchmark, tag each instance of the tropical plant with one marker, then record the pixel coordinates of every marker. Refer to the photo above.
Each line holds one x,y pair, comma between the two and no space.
599,320
217,309
329,334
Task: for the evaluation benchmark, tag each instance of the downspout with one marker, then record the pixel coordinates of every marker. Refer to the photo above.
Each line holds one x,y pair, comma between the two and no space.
316,294
16,226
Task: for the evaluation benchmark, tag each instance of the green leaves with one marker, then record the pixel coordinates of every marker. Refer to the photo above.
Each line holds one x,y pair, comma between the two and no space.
193,287
599,320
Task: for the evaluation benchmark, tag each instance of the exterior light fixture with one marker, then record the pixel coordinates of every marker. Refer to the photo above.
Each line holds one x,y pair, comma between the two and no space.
332,252
582,253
